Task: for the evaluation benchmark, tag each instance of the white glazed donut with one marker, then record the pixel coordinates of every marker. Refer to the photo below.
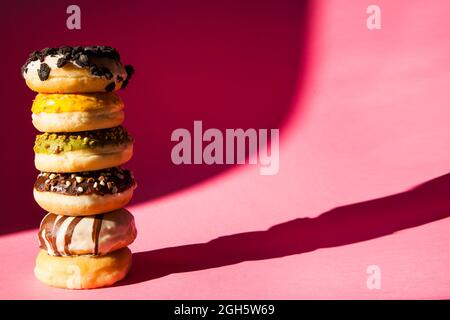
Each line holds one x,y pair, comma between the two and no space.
76,70
94,235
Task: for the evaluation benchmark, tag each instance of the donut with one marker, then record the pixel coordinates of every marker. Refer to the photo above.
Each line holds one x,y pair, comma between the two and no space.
76,70
76,112
82,151
82,272
84,193
94,235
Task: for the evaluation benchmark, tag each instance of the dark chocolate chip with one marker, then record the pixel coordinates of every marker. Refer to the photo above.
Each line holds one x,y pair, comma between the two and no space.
130,70
110,87
65,50
124,84
108,74
43,71
119,78
89,50
83,58
95,71
61,62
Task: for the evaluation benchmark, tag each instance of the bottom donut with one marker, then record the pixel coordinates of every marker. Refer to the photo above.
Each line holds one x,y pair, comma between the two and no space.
82,272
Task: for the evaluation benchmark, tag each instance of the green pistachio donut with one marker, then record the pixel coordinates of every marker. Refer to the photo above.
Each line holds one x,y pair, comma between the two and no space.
83,151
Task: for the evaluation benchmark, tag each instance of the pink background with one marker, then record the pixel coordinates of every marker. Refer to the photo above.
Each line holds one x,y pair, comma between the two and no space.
365,136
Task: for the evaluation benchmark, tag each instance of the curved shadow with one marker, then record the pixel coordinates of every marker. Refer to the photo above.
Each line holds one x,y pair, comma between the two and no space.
231,66
344,225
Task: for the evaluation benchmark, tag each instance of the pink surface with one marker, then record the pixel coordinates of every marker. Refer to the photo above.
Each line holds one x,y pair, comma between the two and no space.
367,133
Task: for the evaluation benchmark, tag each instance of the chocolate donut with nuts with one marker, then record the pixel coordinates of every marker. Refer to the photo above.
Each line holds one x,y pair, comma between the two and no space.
84,193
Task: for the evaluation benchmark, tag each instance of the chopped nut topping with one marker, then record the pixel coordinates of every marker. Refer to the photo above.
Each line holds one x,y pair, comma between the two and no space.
120,176
107,181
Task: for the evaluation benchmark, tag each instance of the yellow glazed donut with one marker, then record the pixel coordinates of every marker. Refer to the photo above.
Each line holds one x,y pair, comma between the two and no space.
76,112
84,193
76,70
82,151
82,272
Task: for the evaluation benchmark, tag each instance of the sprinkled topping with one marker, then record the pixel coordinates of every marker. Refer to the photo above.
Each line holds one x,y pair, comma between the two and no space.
83,57
99,182
54,143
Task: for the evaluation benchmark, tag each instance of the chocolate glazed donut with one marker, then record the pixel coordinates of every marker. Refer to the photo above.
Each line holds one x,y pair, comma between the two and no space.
84,193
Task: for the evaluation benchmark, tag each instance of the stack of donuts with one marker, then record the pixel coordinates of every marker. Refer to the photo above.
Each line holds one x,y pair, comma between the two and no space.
84,238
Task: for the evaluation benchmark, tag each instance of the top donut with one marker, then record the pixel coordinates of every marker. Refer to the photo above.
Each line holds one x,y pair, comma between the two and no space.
76,70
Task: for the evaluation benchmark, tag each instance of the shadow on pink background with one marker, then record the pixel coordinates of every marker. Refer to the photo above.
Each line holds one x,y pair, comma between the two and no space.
341,226
364,168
